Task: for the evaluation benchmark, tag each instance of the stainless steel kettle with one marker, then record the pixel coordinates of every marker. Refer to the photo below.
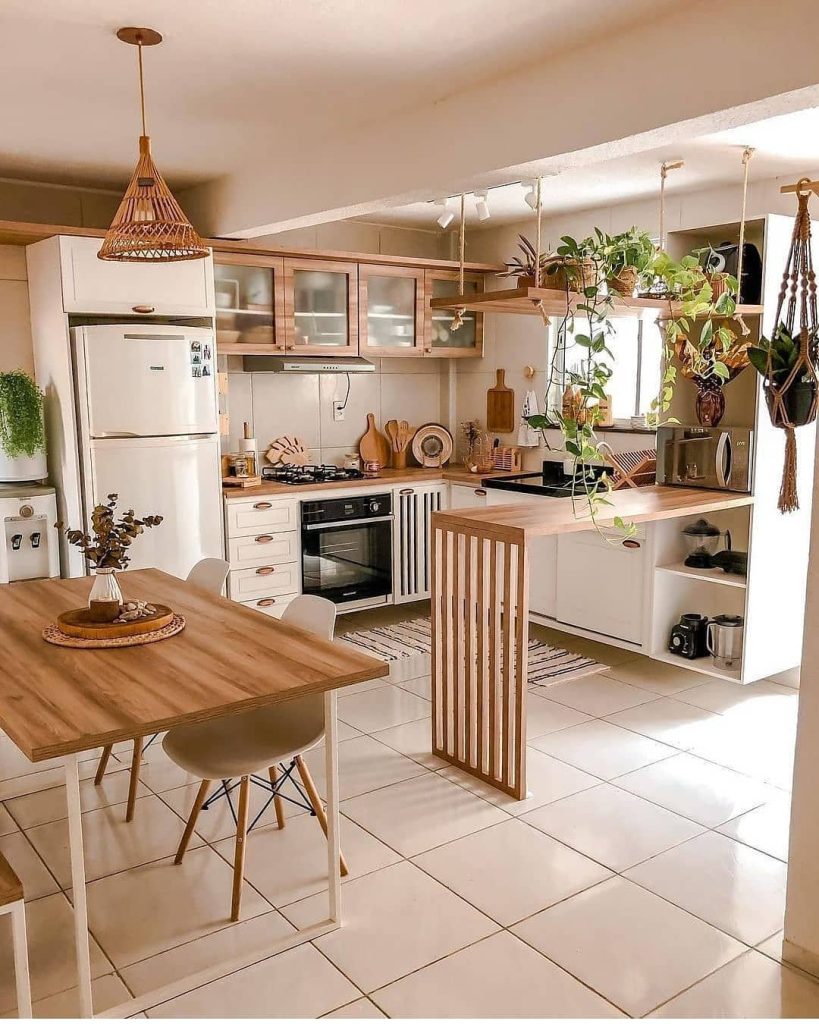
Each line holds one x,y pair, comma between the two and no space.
723,638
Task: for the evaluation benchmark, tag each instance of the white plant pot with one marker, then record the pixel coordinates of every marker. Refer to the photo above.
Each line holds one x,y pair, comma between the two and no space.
22,469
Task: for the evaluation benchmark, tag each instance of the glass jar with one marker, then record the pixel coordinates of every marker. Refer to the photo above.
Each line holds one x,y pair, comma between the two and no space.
105,598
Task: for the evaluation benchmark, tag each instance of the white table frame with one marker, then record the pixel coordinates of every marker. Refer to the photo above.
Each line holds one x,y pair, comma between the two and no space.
203,977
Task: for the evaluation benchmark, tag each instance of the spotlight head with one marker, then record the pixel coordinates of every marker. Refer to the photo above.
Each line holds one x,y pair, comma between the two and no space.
445,219
531,194
482,205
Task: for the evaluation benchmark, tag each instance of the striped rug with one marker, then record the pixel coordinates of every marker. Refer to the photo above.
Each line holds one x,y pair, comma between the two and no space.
413,640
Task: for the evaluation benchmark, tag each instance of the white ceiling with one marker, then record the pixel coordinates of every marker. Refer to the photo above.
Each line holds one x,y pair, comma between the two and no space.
234,73
783,145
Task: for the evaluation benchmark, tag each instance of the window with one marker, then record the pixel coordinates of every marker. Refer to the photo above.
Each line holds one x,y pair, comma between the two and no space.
636,345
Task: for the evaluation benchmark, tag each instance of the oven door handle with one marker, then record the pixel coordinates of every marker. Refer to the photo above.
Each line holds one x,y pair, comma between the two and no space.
346,522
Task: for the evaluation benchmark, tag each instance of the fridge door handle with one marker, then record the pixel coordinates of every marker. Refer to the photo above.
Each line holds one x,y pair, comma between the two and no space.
109,434
724,459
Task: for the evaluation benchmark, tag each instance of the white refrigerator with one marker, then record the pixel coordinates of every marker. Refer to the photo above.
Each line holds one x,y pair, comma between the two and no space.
147,420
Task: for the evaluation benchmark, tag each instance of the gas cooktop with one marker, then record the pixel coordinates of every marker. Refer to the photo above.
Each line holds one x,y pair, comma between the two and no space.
309,474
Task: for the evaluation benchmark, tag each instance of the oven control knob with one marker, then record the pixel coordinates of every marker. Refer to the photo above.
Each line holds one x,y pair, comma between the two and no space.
374,506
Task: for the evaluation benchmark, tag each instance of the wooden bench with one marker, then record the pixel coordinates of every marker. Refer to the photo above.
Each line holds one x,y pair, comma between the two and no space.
11,902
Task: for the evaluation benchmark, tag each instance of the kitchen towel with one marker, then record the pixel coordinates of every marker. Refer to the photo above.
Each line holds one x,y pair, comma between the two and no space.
528,437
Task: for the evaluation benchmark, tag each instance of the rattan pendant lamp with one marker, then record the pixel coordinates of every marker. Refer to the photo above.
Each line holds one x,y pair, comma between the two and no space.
149,226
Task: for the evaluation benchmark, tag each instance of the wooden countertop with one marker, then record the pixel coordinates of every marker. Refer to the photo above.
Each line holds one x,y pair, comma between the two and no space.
544,515
228,658
387,477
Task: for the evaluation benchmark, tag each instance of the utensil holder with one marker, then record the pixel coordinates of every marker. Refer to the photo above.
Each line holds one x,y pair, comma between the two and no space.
399,459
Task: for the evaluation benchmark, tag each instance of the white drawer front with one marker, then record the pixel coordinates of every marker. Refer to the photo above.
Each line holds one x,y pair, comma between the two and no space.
273,606
261,515
265,581
260,549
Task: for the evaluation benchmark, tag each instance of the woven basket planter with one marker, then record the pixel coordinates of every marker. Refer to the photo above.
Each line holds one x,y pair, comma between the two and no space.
624,282
570,275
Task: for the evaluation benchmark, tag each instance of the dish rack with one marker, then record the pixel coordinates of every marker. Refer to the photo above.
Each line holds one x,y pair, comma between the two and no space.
506,459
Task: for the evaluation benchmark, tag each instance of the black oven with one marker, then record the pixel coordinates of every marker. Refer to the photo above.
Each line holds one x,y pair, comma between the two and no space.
346,549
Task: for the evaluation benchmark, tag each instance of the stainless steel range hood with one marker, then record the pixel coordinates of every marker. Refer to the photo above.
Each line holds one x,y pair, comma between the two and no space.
306,364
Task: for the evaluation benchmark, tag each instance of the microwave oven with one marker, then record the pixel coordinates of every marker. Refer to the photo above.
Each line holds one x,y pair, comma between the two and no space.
714,457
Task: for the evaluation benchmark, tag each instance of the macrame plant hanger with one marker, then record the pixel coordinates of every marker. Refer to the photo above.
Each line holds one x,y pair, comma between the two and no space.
799,288
747,153
458,319
538,244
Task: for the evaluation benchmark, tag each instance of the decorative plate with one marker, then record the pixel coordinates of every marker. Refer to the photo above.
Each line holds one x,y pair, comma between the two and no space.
432,445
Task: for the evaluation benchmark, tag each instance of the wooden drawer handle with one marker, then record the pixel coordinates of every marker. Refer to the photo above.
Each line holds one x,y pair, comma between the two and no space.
263,538
262,505
406,490
631,544
143,309
481,492
266,602
265,570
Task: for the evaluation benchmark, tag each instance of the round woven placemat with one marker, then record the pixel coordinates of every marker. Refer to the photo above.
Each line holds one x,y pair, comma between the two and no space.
54,635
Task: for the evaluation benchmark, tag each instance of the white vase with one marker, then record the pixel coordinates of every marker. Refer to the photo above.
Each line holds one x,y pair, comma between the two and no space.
105,597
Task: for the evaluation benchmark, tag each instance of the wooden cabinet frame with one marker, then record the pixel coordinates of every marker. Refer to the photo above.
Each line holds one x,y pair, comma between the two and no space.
351,272
367,270
276,265
448,351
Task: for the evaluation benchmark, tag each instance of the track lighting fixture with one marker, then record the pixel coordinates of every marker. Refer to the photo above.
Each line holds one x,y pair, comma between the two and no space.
447,216
531,195
482,205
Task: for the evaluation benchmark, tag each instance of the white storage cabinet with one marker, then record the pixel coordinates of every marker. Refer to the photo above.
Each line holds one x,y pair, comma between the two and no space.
264,551
412,511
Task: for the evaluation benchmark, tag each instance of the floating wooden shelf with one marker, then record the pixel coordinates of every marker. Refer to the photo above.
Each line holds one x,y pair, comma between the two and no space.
556,302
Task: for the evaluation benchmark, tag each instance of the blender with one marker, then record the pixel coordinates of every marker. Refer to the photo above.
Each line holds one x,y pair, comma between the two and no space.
702,542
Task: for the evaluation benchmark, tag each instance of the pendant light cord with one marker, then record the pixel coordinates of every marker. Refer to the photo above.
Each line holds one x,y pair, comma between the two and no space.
141,86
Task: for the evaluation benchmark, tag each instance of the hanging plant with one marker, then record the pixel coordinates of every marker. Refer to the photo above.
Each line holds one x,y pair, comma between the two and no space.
22,432
628,257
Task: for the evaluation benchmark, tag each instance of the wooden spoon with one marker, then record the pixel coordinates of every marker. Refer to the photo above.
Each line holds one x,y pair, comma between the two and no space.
392,429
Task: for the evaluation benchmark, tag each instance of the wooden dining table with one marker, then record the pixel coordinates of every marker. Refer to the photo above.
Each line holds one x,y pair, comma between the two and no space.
63,702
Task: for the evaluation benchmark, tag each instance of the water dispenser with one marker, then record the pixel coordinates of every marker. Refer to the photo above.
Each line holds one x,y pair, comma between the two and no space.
31,548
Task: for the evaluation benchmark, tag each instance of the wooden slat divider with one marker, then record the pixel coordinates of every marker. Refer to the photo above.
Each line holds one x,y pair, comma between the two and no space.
480,682
469,656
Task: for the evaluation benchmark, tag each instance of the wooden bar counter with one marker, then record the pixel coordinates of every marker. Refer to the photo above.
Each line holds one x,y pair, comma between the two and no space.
480,616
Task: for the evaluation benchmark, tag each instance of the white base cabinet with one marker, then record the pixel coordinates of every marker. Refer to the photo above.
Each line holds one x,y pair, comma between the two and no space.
464,496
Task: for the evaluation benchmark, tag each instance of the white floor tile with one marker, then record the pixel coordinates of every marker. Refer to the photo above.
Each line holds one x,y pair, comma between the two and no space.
297,983
7,823
107,992
290,864
721,696
544,715
364,764
733,887
421,686
413,739
599,695
47,805
381,708
139,913
24,860
656,676
547,779
613,827
511,871
497,977
50,931
422,813
766,828
705,792
395,921
361,1009
761,749
750,986
111,843
772,946
629,945
602,749
666,720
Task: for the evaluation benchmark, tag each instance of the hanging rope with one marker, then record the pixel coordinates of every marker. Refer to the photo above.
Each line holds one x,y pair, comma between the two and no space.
458,319
786,400
538,244
747,153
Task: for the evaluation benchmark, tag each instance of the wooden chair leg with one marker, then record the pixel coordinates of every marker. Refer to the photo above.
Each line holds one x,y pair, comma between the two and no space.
239,855
204,786
136,761
278,803
103,764
316,801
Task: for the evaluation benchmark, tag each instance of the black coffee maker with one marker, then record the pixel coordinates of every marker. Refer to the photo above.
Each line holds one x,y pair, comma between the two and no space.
687,639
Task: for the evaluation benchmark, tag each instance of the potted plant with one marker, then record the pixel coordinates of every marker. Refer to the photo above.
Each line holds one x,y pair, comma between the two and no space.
523,266
774,359
106,550
626,258
22,431
571,267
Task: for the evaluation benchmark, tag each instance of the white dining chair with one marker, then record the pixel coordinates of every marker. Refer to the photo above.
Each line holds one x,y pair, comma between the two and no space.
209,574
271,740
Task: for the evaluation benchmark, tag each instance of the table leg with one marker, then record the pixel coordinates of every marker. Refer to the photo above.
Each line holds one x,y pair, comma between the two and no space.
333,824
72,790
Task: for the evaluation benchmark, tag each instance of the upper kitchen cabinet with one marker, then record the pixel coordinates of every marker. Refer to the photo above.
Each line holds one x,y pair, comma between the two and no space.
391,310
249,304
440,339
320,307
91,285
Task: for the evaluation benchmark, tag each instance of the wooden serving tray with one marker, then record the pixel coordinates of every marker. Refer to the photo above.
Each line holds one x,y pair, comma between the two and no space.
77,623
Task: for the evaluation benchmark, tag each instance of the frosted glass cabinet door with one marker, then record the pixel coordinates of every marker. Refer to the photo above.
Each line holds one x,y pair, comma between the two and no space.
441,340
321,307
391,310
248,305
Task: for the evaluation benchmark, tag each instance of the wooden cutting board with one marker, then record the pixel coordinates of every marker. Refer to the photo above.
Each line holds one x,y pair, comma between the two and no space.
373,446
500,406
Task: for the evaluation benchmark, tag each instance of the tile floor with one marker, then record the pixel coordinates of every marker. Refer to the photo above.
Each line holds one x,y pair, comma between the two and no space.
644,875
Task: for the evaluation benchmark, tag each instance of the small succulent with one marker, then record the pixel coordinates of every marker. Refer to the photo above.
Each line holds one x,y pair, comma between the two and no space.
106,547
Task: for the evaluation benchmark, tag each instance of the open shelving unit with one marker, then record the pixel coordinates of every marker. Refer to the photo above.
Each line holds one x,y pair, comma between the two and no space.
706,575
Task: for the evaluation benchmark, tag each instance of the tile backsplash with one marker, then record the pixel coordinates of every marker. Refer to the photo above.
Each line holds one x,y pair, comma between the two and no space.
301,404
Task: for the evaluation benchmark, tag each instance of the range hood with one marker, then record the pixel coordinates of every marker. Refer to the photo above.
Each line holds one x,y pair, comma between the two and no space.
306,364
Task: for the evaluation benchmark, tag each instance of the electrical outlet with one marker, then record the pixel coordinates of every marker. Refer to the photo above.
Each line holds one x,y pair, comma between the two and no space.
338,411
